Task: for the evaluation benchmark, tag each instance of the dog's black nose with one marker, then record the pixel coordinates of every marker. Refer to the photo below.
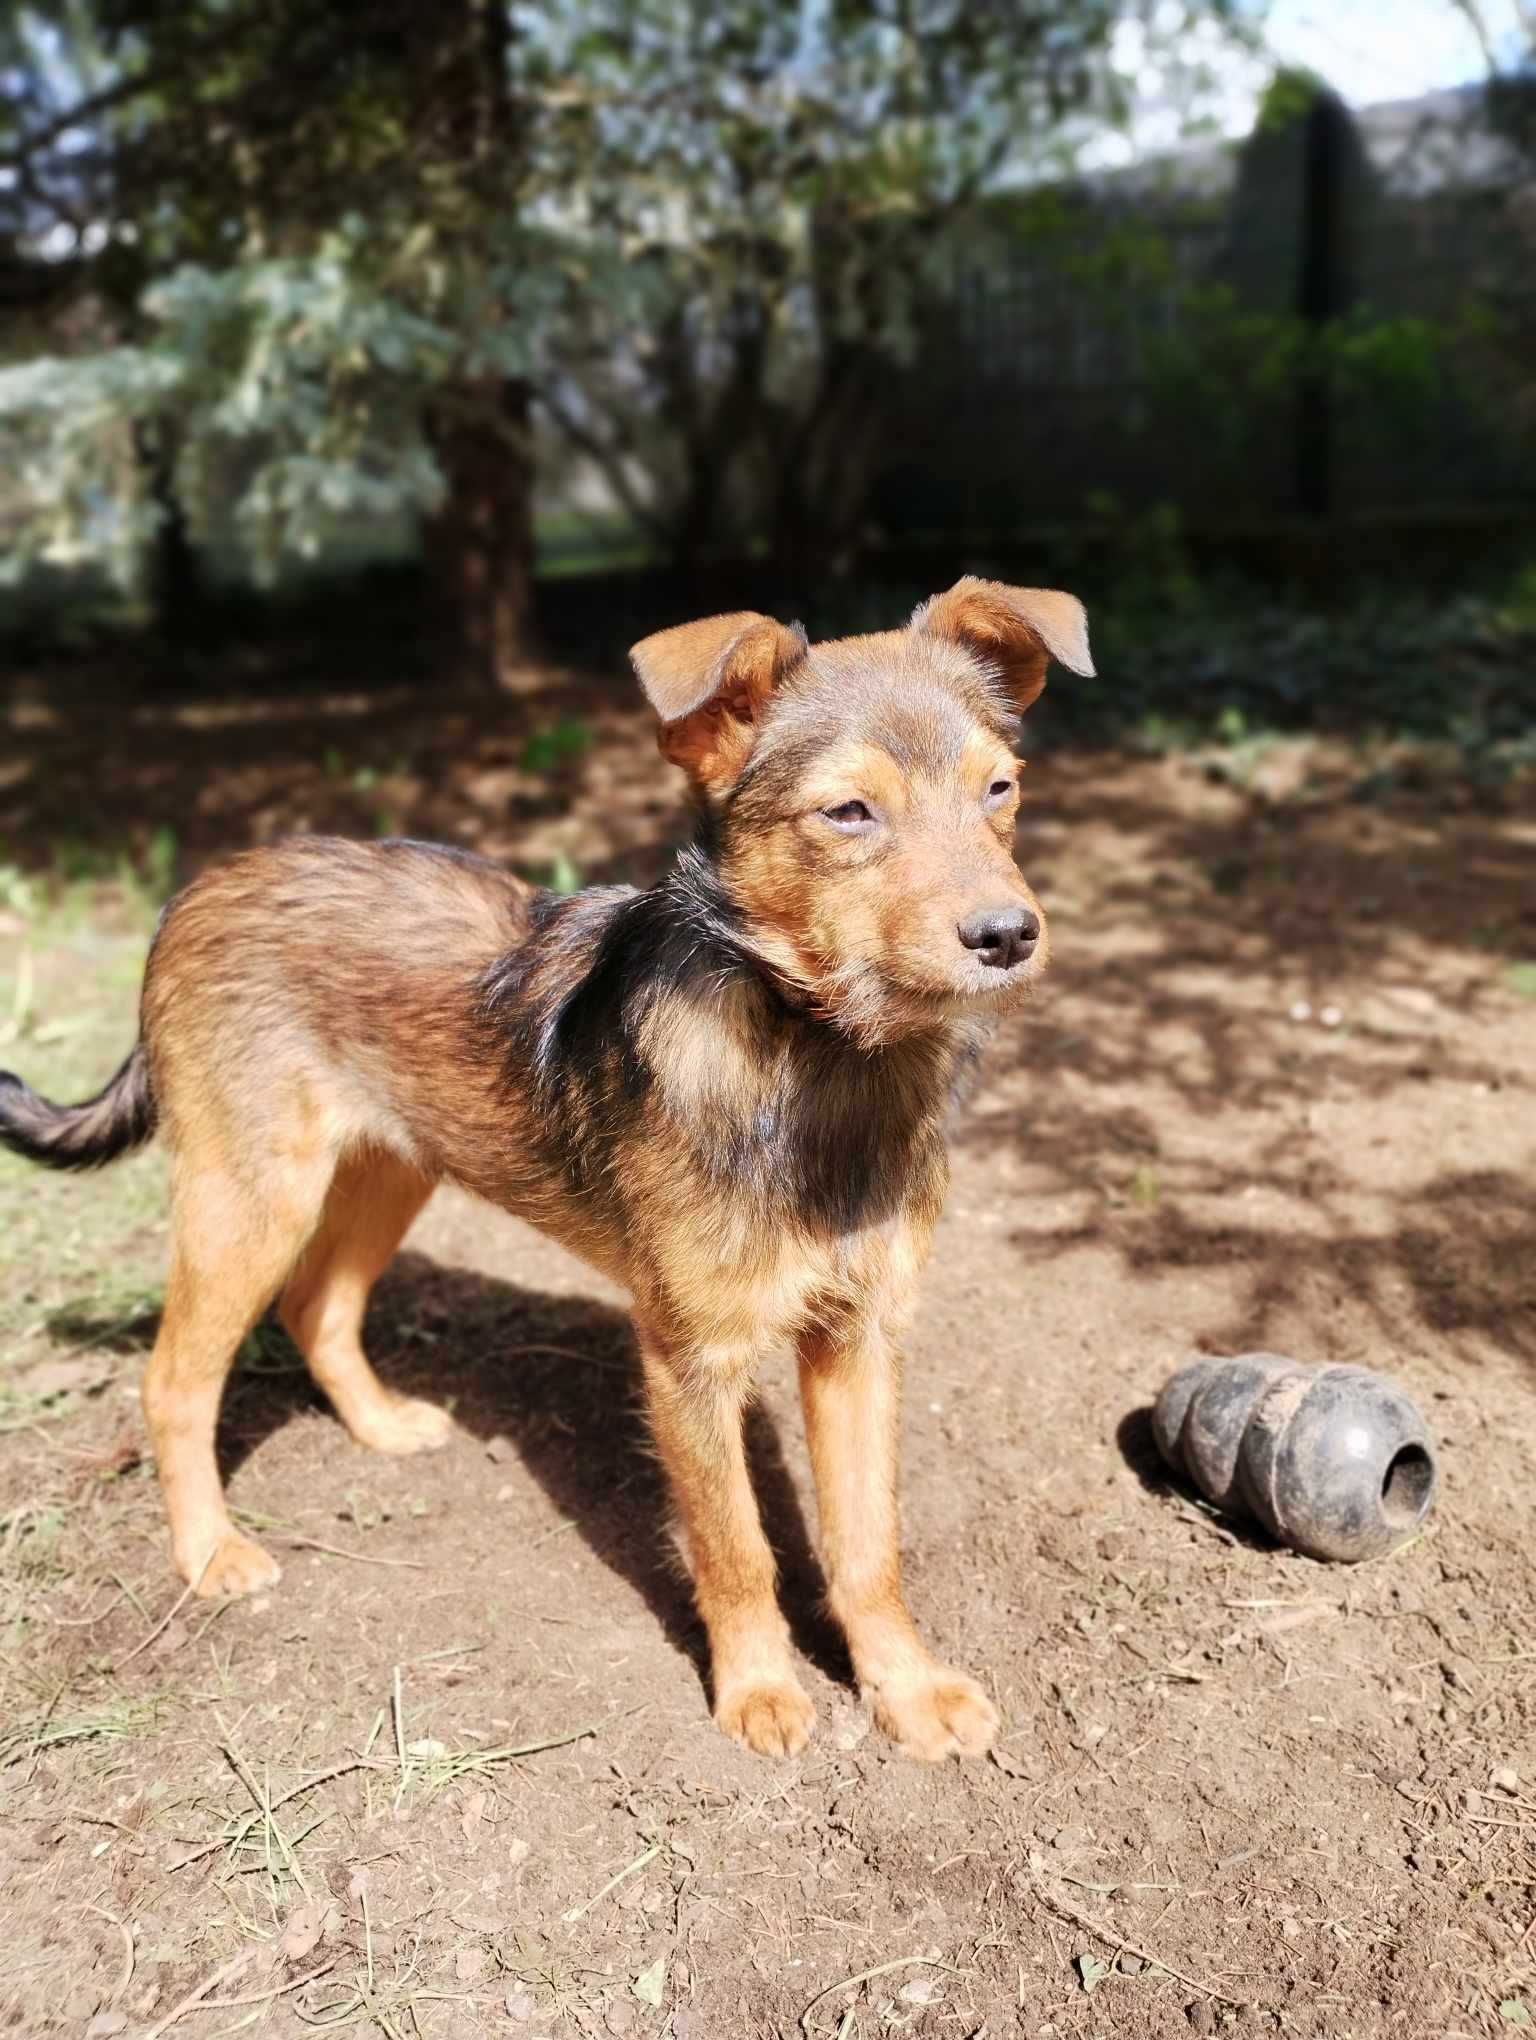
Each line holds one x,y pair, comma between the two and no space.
1002,936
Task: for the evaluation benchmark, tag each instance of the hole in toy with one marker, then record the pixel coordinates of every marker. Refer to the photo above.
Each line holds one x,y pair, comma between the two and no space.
1405,1486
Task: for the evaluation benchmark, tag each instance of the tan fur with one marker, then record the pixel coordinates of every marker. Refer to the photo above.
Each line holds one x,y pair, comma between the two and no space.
326,1044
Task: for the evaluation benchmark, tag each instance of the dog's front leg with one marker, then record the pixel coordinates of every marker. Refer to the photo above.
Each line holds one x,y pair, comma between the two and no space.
850,1386
696,1400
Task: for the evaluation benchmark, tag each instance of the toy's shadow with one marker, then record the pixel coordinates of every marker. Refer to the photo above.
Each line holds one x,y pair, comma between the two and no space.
1138,1448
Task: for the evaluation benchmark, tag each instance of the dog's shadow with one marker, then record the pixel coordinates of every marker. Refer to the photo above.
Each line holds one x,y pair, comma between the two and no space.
557,1378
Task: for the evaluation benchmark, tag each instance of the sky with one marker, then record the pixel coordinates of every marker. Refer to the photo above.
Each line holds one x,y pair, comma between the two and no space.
1184,79
1385,49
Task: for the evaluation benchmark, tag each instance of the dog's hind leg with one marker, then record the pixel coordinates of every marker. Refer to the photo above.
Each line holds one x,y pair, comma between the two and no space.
233,1242
368,1210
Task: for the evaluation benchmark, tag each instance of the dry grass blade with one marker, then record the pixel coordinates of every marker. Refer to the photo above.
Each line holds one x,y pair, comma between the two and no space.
867,1976
170,1614
226,1841
639,1863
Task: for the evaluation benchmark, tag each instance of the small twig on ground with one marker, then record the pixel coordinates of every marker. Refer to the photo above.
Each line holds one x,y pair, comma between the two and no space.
302,1541
127,1976
47,1715
195,1998
362,1894
400,1741
1118,1942
866,1975
80,1621
339,1551
260,1997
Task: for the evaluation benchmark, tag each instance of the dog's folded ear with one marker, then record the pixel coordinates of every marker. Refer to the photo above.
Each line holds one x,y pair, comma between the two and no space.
1016,630
708,682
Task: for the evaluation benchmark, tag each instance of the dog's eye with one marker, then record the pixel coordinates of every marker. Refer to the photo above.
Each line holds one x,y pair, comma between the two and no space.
848,814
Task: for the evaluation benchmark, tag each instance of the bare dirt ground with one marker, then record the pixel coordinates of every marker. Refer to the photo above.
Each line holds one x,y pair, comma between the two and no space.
457,1775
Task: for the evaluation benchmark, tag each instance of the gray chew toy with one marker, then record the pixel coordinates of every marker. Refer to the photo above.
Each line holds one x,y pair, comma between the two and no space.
1336,1461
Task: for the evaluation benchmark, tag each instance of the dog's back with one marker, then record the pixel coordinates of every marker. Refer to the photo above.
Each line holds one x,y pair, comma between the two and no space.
327,986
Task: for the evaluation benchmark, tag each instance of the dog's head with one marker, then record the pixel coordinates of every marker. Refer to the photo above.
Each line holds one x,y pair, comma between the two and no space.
863,794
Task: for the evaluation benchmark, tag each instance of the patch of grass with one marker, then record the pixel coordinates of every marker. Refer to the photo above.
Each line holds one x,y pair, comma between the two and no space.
107,1719
563,743
426,1765
257,1840
1521,979
72,950
564,875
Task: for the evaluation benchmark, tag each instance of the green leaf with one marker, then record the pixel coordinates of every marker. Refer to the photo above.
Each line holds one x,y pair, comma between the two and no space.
1521,979
650,1982
1091,1971
1514,2012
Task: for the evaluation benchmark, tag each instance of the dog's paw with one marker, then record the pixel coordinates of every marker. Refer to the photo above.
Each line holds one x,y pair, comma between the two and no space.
771,1716
238,1566
937,1714
402,1425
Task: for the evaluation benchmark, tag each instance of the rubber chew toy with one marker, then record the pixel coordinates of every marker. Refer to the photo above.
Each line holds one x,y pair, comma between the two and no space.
1335,1461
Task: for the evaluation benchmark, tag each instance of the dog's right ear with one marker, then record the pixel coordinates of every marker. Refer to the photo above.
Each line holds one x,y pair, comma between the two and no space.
709,682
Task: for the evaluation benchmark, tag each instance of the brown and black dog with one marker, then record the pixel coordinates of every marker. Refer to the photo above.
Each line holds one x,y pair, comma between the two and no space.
730,1092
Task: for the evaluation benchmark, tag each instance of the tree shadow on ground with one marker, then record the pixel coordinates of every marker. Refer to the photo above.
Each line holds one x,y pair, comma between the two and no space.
521,777
555,1379
1175,1097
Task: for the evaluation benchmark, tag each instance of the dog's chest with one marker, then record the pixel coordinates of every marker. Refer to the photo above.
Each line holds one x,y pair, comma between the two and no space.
742,1287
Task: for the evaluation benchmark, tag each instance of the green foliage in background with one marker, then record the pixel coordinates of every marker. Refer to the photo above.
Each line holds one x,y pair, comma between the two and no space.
323,261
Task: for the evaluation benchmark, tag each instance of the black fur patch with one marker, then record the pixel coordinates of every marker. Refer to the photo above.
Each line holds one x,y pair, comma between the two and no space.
120,1117
829,1138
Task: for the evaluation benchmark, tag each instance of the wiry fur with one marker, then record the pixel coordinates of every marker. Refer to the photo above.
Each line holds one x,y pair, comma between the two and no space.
729,1091
118,1118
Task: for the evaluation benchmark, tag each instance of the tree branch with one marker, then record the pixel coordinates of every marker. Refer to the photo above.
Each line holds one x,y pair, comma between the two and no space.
82,112
609,459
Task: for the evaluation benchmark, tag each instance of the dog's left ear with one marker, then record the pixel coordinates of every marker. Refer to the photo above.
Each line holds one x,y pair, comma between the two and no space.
1017,630
709,682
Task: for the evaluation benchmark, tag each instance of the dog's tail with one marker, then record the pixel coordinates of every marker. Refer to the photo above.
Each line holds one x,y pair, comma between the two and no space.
80,1136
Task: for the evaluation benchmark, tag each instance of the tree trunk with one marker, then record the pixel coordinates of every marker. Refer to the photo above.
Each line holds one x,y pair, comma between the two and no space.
173,574
479,545
828,463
